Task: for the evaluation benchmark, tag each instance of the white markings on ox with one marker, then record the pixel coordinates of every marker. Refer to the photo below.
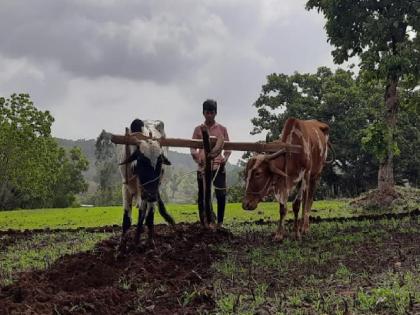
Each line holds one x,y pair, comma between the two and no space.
141,171
280,173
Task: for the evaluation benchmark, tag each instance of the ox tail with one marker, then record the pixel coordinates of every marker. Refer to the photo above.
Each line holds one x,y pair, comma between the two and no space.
330,146
162,210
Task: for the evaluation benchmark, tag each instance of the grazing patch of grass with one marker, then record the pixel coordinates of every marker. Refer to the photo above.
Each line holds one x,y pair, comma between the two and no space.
39,251
102,216
367,267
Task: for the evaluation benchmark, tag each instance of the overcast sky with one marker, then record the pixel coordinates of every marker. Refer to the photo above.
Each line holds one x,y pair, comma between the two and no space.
97,64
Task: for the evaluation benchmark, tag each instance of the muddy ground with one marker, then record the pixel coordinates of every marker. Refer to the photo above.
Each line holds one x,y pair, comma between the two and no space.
171,276
102,282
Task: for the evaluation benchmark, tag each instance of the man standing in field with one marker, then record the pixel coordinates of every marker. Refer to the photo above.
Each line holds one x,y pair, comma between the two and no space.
218,164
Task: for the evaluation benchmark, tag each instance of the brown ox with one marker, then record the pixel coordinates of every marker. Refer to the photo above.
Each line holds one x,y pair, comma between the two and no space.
280,172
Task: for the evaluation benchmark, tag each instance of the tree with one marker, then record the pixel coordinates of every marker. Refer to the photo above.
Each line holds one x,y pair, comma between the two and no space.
27,155
30,159
335,98
70,180
108,177
348,104
384,35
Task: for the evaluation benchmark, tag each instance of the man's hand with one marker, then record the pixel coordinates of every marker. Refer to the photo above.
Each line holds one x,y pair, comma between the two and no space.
224,161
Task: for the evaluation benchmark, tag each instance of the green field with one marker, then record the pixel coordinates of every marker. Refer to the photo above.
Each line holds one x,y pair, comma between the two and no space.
370,266
102,216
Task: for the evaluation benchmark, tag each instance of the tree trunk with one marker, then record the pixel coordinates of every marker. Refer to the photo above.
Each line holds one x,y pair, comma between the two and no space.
386,168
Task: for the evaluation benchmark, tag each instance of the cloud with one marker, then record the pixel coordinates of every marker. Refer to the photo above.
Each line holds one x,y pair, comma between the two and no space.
97,64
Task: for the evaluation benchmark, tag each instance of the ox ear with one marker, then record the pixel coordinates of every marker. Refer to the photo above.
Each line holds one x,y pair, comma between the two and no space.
165,160
134,156
274,169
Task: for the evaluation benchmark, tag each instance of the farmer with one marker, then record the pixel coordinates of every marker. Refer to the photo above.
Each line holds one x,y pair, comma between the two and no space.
218,164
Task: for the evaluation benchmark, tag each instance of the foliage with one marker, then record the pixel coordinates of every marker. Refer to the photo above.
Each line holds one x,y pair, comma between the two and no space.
350,105
70,181
236,193
108,177
31,162
179,185
381,33
335,98
375,139
384,35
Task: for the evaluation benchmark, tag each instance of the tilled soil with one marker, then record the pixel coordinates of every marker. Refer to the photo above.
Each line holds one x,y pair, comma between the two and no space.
173,275
154,278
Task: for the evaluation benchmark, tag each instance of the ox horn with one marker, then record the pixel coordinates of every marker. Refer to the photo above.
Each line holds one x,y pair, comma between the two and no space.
274,169
271,165
275,155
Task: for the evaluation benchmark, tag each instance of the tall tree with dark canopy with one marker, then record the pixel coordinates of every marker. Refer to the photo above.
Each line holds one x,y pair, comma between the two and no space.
384,35
34,171
337,98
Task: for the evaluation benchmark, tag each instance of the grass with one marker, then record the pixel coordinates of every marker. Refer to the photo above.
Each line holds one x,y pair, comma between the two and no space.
102,216
39,251
354,267
368,267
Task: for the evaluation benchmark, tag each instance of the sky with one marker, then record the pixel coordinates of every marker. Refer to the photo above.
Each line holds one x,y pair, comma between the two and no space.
98,64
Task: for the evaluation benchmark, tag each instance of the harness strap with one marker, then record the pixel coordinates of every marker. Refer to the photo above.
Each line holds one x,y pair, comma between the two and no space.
269,180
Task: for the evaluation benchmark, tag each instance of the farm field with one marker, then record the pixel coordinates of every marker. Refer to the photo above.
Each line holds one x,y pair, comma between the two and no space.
71,218
343,266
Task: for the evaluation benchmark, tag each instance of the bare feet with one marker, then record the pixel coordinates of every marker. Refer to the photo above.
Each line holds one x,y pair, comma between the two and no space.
212,226
278,237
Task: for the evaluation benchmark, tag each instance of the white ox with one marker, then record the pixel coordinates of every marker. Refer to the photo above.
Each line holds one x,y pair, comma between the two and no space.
141,169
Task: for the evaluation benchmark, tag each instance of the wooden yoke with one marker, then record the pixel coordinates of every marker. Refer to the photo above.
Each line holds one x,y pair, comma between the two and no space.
135,138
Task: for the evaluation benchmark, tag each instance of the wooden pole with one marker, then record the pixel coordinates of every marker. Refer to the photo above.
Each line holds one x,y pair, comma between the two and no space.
127,154
274,146
208,208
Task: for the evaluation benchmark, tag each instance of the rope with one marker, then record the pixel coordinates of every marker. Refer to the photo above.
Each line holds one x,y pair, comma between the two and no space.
214,178
151,181
259,192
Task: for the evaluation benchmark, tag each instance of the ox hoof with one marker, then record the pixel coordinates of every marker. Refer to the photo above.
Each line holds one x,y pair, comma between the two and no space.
278,237
122,247
297,236
151,243
305,229
212,226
